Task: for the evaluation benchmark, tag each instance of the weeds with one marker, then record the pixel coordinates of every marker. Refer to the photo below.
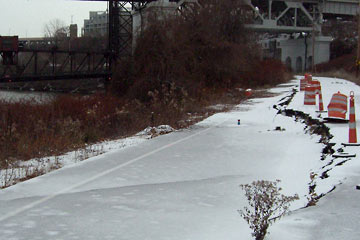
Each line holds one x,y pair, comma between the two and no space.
88,151
32,130
342,67
313,198
267,206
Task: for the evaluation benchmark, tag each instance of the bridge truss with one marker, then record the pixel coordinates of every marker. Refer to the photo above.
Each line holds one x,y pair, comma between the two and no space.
289,16
54,64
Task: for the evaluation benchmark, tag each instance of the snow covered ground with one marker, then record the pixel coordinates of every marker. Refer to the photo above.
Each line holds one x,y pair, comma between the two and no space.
185,185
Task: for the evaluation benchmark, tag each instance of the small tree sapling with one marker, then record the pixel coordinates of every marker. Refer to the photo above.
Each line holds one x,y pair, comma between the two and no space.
266,205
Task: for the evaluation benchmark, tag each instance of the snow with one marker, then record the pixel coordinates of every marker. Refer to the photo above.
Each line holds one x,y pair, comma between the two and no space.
184,185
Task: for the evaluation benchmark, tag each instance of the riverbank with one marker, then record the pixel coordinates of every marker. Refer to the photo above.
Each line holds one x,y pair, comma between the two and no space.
82,86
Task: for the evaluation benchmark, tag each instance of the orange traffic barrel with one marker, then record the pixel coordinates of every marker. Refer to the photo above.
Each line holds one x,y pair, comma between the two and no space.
337,107
317,86
310,95
352,122
304,82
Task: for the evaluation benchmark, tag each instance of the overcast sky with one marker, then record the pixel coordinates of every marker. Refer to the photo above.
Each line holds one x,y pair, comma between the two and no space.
26,18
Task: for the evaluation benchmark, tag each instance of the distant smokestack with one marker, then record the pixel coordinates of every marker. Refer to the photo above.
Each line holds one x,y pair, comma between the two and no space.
73,31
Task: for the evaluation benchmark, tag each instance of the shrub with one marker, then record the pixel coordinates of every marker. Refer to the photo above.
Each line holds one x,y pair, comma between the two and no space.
267,206
207,48
345,62
29,129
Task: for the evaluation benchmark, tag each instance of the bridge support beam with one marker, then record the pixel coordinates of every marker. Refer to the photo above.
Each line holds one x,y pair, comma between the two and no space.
285,16
297,53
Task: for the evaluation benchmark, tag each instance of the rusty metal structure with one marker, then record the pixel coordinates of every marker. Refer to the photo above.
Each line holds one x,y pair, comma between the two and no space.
54,64
37,65
20,63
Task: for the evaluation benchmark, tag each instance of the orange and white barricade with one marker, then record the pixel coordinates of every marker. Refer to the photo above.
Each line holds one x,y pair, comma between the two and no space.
304,82
310,95
352,122
317,85
321,104
337,107
310,91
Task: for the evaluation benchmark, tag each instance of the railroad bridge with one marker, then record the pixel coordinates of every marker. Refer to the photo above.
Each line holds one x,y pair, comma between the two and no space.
304,17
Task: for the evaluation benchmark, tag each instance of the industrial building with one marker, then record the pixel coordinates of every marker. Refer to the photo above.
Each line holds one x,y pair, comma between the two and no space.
96,25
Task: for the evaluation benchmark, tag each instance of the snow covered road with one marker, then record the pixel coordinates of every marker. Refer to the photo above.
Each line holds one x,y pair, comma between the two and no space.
183,185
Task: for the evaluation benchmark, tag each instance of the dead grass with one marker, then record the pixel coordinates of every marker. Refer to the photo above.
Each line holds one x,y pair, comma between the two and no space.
341,67
29,129
341,73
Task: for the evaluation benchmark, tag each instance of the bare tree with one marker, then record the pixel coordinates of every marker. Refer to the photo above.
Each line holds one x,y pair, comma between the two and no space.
56,28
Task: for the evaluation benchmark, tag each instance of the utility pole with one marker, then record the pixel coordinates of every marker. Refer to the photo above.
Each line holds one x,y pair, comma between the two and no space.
313,69
358,45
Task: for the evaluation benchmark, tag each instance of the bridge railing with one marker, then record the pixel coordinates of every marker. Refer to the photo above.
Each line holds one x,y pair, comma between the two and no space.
55,64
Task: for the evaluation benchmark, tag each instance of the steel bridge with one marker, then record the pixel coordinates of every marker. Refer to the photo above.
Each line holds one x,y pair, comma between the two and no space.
55,64
282,16
289,16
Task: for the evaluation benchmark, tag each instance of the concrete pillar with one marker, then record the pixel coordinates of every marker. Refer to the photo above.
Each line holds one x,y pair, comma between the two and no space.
294,49
159,8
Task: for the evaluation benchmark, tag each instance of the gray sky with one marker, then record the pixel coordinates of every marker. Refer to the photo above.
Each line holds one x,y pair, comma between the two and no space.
26,18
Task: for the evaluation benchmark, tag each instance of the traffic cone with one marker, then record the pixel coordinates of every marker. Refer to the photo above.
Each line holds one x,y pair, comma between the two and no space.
352,122
321,104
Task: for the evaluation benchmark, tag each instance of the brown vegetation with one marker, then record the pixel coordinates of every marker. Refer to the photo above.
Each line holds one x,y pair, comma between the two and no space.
342,49
345,62
29,129
342,67
196,52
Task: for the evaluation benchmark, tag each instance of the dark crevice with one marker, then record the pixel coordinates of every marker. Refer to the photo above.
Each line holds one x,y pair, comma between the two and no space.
325,174
312,126
330,163
324,194
341,163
